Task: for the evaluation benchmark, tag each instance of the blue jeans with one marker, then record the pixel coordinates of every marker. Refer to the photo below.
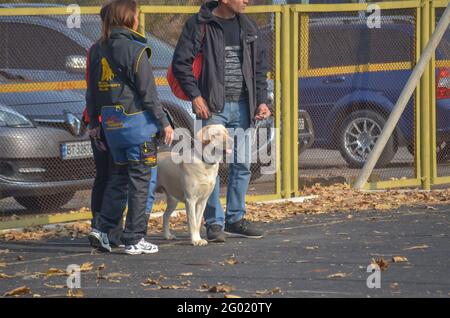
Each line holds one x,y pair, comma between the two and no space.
234,115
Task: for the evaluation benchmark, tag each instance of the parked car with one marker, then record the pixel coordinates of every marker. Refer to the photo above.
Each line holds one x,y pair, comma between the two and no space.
45,151
354,78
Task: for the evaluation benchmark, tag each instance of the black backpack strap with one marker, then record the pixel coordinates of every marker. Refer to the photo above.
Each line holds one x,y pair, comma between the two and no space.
116,69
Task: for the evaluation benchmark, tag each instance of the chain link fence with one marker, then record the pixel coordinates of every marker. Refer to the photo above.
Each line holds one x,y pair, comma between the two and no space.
351,73
442,98
46,162
347,77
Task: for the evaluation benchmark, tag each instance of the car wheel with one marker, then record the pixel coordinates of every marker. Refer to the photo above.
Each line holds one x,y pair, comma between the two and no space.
45,203
358,135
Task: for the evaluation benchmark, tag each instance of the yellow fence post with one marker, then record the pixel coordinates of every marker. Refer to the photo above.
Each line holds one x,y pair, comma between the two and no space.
294,100
425,143
433,146
286,104
142,22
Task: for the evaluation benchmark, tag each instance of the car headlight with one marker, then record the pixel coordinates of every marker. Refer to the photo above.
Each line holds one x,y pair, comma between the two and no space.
271,97
11,118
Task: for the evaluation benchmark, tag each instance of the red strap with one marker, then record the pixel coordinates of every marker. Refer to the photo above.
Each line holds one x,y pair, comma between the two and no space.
86,117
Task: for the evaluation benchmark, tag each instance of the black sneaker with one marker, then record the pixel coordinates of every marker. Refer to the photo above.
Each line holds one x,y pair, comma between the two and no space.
214,233
99,240
243,228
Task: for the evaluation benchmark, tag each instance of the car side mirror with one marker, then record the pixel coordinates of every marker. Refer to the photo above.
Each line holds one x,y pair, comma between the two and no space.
76,64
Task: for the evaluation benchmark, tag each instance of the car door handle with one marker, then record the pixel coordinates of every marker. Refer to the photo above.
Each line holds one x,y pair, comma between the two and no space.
334,79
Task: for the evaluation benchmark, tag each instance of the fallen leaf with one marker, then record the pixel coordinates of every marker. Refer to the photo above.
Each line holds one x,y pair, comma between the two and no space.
75,293
3,276
231,261
4,251
36,296
276,290
338,275
20,258
149,282
86,267
2,264
418,247
54,286
101,267
231,296
382,263
119,276
399,259
221,288
172,287
393,285
55,272
263,292
187,274
24,290
311,247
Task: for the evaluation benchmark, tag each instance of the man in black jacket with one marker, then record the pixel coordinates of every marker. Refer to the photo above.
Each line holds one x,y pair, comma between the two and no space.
231,91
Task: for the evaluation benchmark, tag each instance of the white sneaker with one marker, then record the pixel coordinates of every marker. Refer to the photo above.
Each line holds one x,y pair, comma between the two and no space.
99,240
142,247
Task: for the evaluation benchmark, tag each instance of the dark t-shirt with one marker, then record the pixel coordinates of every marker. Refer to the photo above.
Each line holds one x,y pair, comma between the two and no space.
234,79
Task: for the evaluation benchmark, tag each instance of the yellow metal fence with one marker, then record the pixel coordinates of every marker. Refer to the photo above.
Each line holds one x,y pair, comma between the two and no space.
291,63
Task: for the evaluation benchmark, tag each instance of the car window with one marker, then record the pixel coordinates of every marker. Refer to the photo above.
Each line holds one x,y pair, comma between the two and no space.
333,46
444,46
32,47
162,52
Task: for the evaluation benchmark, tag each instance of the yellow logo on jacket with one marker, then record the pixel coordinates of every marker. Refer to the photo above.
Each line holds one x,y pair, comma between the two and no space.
107,73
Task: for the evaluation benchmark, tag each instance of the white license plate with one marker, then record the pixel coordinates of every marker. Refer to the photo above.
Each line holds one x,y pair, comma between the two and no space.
76,150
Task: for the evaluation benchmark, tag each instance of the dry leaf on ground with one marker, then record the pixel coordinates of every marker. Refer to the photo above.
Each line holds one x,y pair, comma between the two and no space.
4,276
187,274
172,287
399,259
231,261
221,288
150,282
418,247
54,286
75,293
338,275
87,267
24,290
382,263
231,296
55,272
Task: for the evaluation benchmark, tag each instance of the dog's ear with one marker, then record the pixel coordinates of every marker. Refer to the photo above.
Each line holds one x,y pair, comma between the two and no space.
204,135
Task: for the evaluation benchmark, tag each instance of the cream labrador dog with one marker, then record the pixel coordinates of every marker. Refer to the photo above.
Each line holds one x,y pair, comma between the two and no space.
191,182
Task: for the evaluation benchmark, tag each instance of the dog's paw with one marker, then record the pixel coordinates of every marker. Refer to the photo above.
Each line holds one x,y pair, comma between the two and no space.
200,243
170,237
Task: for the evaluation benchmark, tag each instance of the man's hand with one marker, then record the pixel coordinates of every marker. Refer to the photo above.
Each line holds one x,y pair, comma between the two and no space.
168,135
201,107
263,112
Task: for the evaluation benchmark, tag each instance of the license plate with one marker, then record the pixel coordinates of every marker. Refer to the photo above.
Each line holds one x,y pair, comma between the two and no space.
76,150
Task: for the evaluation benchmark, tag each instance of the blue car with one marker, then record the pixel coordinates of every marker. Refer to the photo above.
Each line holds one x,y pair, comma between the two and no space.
350,78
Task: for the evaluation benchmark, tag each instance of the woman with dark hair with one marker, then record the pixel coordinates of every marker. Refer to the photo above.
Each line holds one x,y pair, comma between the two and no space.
103,160
123,92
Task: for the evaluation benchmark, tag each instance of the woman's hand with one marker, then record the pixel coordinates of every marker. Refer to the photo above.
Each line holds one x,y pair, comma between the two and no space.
168,135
